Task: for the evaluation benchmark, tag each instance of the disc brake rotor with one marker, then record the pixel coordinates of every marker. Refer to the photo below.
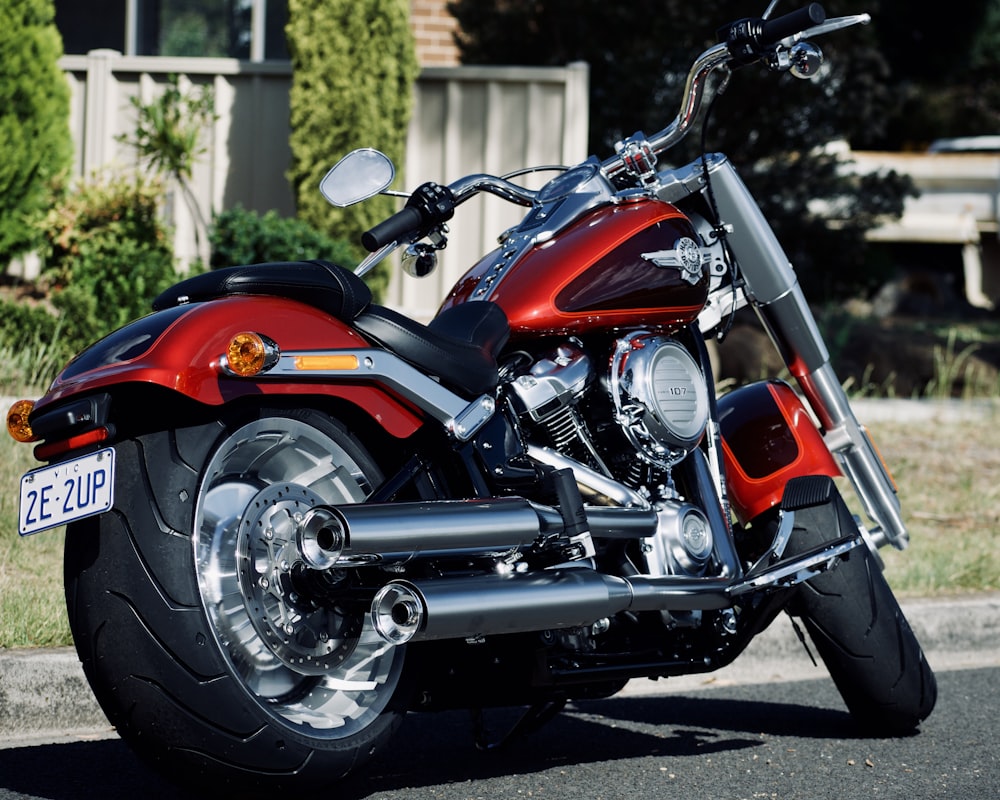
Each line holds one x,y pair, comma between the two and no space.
311,637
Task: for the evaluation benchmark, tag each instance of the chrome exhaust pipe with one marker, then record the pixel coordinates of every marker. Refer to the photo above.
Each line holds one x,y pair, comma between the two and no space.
470,607
455,608
461,608
393,533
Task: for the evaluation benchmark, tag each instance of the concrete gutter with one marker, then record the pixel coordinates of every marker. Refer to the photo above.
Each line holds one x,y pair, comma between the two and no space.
45,697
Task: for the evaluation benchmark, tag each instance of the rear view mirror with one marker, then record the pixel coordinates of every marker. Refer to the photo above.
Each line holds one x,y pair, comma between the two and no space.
357,176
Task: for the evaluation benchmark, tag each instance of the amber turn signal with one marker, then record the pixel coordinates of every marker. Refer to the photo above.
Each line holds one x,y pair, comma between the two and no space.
17,421
327,362
250,354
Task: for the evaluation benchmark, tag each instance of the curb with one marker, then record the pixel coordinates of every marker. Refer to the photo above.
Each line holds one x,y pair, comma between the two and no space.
44,695
925,410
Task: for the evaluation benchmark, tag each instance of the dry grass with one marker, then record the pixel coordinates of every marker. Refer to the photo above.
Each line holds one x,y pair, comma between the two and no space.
32,610
949,482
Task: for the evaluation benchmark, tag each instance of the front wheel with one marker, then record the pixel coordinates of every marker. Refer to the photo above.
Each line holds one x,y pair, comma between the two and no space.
209,643
859,630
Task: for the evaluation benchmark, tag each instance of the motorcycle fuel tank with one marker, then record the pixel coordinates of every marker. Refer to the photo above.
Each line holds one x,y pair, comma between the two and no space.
617,267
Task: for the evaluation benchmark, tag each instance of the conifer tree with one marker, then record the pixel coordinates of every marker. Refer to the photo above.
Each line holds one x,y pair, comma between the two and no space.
34,119
353,66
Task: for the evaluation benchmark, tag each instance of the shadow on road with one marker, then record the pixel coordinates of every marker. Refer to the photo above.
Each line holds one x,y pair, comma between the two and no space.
431,749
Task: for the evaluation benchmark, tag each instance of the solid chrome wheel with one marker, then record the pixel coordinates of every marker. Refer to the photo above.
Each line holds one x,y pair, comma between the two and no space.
306,655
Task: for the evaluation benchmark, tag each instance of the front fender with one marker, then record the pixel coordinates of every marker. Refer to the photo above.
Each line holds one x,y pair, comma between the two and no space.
180,349
768,438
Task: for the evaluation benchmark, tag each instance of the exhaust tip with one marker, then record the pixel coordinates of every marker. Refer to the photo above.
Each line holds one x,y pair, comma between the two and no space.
397,613
322,536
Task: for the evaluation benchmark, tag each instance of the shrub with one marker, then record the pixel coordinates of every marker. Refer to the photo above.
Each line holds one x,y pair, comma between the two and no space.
240,236
167,138
34,119
108,254
32,346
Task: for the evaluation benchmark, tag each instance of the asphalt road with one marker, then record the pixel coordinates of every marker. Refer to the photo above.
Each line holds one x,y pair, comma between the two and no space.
782,740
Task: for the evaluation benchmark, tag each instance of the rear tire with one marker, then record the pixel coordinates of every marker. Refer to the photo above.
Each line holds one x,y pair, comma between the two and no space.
860,631
200,650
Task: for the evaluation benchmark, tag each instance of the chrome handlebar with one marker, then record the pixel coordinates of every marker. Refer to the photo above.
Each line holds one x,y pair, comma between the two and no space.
716,57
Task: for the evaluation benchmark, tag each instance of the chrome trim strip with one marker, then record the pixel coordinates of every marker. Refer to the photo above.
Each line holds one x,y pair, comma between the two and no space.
459,416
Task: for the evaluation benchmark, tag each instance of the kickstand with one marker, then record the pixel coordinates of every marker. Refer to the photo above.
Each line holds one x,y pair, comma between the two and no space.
529,722
802,638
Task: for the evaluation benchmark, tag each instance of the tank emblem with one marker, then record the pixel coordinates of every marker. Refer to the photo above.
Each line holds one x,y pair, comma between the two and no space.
687,256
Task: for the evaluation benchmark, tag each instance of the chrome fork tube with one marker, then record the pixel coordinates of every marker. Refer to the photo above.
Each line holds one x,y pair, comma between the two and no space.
774,291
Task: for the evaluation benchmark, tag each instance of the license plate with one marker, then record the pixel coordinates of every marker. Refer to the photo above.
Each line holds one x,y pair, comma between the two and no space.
65,492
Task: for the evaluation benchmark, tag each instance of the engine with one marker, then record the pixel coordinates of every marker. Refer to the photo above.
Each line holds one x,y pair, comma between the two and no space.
631,425
660,397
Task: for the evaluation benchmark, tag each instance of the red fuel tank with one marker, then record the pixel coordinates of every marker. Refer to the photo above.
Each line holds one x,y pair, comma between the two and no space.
592,276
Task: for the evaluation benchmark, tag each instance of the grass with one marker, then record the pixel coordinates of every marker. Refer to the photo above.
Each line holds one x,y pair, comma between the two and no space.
32,610
948,474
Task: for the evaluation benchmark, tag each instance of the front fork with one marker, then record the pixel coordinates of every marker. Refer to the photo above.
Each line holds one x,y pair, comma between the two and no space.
773,290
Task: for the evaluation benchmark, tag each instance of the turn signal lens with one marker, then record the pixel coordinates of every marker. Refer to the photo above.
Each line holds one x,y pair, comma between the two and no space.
17,421
327,362
250,354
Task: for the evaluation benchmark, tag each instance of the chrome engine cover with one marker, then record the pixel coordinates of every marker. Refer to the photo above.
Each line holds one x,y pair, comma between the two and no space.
660,396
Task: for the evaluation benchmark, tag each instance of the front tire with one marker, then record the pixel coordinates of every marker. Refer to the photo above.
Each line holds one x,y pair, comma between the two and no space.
859,630
213,651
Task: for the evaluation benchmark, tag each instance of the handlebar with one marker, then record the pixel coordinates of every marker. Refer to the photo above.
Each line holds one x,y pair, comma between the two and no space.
432,204
773,31
742,42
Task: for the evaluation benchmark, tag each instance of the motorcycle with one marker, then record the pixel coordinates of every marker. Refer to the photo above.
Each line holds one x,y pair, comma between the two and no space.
294,515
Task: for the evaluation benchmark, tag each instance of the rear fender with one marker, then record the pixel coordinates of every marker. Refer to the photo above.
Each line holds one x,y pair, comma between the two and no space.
180,349
768,438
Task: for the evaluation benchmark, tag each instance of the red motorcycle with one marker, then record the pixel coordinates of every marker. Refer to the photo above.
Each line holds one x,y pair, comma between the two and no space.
295,515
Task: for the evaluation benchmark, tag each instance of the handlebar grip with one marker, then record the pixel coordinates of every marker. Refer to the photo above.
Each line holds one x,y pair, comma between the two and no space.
794,22
390,230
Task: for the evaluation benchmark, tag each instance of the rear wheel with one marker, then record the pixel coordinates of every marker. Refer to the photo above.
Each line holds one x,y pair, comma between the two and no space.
207,639
859,630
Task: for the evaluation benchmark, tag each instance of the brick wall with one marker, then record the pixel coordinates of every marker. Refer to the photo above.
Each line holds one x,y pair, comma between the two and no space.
434,30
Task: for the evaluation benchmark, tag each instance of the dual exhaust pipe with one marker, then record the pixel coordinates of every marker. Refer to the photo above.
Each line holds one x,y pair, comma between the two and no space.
567,596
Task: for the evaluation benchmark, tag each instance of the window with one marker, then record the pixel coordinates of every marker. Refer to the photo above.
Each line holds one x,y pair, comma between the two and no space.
245,29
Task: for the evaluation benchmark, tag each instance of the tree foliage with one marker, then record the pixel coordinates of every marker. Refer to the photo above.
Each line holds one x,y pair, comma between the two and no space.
773,127
945,71
353,65
34,118
240,236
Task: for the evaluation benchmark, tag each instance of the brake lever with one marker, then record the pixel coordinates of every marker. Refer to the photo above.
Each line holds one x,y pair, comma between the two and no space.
831,25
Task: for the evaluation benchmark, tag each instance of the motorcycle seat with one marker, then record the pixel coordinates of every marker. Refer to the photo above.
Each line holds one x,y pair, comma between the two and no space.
459,347
328,287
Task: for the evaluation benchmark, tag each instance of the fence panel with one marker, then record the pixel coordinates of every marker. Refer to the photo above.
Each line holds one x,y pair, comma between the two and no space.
466,120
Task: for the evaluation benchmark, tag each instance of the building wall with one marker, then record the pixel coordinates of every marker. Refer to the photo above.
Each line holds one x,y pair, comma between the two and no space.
434,29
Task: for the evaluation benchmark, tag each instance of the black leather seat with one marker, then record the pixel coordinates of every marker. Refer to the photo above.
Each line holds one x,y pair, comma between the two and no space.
335,290
459,347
